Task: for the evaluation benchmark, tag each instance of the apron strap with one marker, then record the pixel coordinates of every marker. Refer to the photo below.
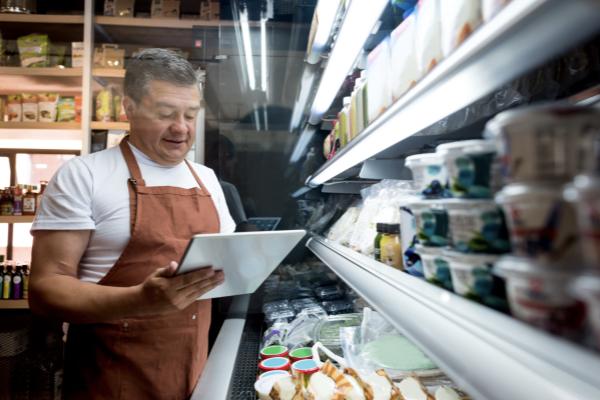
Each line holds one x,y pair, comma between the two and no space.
132,165
193,171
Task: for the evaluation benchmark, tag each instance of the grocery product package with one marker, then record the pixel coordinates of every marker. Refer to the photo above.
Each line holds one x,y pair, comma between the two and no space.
77,54
377,344
66,109
104,105
490,8
379,94
380,204
341,230
33,50
165,9
124,8
459,20
57,55
109,56
14,108
30,107
118,108
428,41
405,73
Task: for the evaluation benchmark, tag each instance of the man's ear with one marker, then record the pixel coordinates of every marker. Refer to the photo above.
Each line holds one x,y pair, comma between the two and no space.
129,106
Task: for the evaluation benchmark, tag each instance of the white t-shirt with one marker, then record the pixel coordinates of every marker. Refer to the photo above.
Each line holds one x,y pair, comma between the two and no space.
90,192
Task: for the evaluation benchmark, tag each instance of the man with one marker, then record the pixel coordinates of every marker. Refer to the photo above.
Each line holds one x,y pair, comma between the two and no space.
107,238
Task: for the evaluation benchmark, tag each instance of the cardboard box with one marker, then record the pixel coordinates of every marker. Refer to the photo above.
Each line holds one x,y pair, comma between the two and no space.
165,9
77,54
109,56
210,10
124,8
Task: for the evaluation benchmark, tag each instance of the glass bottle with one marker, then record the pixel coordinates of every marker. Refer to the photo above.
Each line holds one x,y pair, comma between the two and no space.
17,283
17,201
7,282
391,249
381,229
29,200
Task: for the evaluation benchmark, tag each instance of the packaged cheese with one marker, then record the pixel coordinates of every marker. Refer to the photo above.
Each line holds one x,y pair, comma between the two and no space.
460,18
30,107
14,108
66,109
428,36
378,73
405,73
47,106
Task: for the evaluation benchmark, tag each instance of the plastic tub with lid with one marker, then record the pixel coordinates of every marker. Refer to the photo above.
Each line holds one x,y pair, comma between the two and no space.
584,194
472,168
429,174
436,266
587,289
303,369
431,222
266,381
540,296
274,364
541,224
273,351
477,226
552,142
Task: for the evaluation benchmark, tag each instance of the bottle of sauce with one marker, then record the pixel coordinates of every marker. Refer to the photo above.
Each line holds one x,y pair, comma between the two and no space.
7,282
17,283
25,281
29,200
381,229
391,249
17,201
6,203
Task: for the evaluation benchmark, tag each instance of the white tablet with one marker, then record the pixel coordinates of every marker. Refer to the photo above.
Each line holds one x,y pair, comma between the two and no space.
246,258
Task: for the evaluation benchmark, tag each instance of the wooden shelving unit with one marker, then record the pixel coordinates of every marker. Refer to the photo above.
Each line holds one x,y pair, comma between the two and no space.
108,73
123,126
40,125
42,19
171,23
50,72
14,304
16,219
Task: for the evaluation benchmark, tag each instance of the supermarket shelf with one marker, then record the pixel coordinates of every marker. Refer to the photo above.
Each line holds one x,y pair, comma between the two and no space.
14,305
170,23
40,125
41,71
121,126
108,72
346,187
491,355
524,35
42,19
17,219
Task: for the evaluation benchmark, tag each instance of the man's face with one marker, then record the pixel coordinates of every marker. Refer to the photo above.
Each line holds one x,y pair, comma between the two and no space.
163,122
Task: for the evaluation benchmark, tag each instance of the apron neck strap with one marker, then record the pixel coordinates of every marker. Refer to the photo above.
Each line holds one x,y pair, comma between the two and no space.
193,171
132,165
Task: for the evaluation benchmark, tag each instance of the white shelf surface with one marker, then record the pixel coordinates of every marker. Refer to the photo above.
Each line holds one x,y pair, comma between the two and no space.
491,355
524,35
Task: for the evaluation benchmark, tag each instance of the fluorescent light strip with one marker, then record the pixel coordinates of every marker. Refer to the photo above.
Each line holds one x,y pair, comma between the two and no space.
358,24
306,83
326,12
303,141
247,49
263,56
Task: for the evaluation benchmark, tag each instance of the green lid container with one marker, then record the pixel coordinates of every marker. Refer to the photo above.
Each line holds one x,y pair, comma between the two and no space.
301,353
273,351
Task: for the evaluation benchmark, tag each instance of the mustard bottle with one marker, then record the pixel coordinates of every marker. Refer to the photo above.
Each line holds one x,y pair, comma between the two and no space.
391,249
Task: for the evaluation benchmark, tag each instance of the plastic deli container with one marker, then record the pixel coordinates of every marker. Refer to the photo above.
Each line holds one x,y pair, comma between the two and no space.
540,296
587,289
431,222
490,8
541,224
303,369
477,226
264,384
274,364
472,278
273,351
584,194
269,374
436,266
549,142
429,174
472,168
301,353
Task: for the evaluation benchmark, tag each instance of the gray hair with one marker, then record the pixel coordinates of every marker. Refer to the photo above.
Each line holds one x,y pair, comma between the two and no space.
156,64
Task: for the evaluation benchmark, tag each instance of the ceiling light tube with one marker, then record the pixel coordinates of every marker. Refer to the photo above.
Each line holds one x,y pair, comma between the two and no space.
360,19
263,56
247,48
325,14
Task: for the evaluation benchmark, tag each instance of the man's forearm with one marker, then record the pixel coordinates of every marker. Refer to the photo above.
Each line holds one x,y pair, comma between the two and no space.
68,299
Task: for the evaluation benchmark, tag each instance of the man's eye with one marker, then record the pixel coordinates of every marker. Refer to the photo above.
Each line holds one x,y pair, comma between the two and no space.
190,117
164,116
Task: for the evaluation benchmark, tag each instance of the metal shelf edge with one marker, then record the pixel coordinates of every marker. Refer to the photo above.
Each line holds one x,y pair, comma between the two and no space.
489,354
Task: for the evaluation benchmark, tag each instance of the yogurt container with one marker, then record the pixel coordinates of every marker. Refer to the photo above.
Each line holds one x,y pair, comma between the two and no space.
274,364
431,222
301,353
303,369
477,226
545,143
540,296
269,374
472,278
273,351
585,197
429,174
264,384
587,289
436,266
541,224
471,166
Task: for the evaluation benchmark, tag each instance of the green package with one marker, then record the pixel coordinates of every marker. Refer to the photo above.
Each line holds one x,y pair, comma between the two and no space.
33,50
66,109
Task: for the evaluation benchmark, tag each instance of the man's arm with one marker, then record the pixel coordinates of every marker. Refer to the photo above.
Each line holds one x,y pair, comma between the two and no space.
55,290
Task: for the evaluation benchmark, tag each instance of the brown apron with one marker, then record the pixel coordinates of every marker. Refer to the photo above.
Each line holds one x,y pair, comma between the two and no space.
158,357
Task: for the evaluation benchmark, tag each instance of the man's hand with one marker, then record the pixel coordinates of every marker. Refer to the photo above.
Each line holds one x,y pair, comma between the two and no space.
163,292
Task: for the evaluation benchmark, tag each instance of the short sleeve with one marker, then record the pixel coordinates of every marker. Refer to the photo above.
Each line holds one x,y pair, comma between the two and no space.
225,219
67,201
